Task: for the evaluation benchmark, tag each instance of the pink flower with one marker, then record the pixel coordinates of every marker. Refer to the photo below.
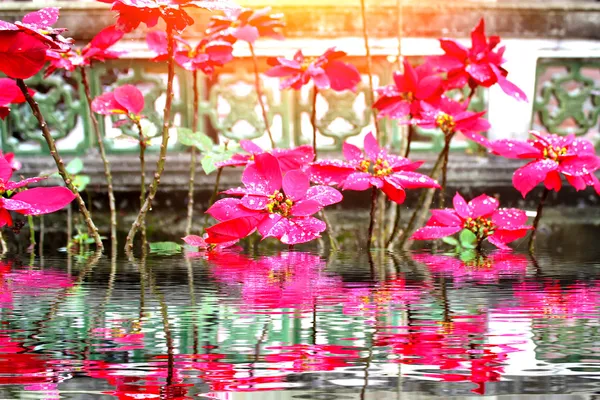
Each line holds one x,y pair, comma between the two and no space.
392,174
283,214
247,25
10,158
96,50
9,94
134,12
326,71
552,155
205,56
36,201
450,117
481,216
125,100
404,97
289,159
478,66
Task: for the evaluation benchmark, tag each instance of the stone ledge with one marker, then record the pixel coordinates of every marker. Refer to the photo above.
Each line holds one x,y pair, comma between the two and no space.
326,19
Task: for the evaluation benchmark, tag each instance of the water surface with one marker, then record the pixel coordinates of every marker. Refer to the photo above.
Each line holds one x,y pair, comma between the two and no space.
299,325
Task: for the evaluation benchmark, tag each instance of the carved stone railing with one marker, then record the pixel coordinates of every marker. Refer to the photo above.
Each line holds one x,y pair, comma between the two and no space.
563,85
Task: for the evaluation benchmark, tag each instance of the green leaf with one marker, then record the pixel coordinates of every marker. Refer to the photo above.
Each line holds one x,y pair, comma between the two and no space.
467,255
75,166
208,164
81,182
198,139
165,248
450,240
467,237
149,130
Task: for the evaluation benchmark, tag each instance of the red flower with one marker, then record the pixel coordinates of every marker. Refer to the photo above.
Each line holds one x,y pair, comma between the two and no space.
134,12
552,155
96,50
404,96
481,216
36,201
284,214
9,94
204,57
289,159
125,100
21,55
247,25
478,66
451,116
326,71
392,174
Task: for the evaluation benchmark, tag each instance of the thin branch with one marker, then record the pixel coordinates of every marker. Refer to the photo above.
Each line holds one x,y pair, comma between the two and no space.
92,230
259,94
163,146
106,163
363,10
190,207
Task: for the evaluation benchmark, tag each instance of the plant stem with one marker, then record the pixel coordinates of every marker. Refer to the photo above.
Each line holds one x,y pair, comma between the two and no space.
142,143
31,233
363,10
409,138
396,228
215,192
445,156
374,195
107,173
92,230
190,208
538,217
422,206
162,157
3,243
333,243
259,94
313,119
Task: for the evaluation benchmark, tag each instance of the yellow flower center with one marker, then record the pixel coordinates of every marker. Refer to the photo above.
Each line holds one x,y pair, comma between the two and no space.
381,167
554,152
279,204
306,63
480,226
445,122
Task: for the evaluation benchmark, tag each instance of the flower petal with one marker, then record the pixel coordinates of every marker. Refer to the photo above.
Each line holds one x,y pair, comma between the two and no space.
268,227
342,76
508,235
44,200
21,55
303,229
6,170
515,149
130,98
579,165
462,208
552,181
324,195
357,181
393,190
305,208
264,176
528,176
195,240
372,148
229,208
297,158
256,203
250,147
330,172
233,229
509,218
483,205
445,217
295,184
412,180
351,152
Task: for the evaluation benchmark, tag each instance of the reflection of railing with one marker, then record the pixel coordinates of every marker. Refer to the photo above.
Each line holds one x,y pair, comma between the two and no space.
567,100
